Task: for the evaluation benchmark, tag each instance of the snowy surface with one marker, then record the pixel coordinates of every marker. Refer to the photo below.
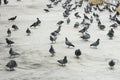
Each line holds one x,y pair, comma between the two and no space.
35,62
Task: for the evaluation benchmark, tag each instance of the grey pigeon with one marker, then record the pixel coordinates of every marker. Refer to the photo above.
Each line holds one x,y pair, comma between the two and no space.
49,5
76,25
46,10
53,38
85,36
68,43
9,42
15,27
115,25
96,43
77,53
53,33
13,53
111,64
9,32
52,50
11,64
83,30
12,18
58,30
28,32
63,61
111,34
77,15
60,22
68,20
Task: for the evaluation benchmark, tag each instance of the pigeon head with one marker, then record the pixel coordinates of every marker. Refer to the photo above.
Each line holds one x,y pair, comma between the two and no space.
10,48
6,38
98,39
51,46
66,39
65,59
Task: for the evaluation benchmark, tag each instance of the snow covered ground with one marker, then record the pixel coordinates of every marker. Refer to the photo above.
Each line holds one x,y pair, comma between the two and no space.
35,62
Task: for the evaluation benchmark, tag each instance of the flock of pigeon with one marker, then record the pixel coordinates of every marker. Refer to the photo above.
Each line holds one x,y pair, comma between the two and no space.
86,23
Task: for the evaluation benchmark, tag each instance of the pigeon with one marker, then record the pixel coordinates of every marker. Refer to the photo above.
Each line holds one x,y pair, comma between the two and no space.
99,8
49,6
77,53
53,38
101,27
68,43
52,50
15,27
5,2
38,22
83,21
118,21
58,30
85,36
28,32
86,17
74,8
63,61
34,25
65,15
9,42
83,30
115,25
60,22
12,18
13,53
77,15
91,19
52,0
110,33
54,33
9,32
11,64
96,43
76,25
95,8
111,64
46,10
68,20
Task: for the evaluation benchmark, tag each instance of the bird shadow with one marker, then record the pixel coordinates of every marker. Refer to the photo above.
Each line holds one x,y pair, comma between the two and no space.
76,57
10,70
8,36
8,46
61,65
93,47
